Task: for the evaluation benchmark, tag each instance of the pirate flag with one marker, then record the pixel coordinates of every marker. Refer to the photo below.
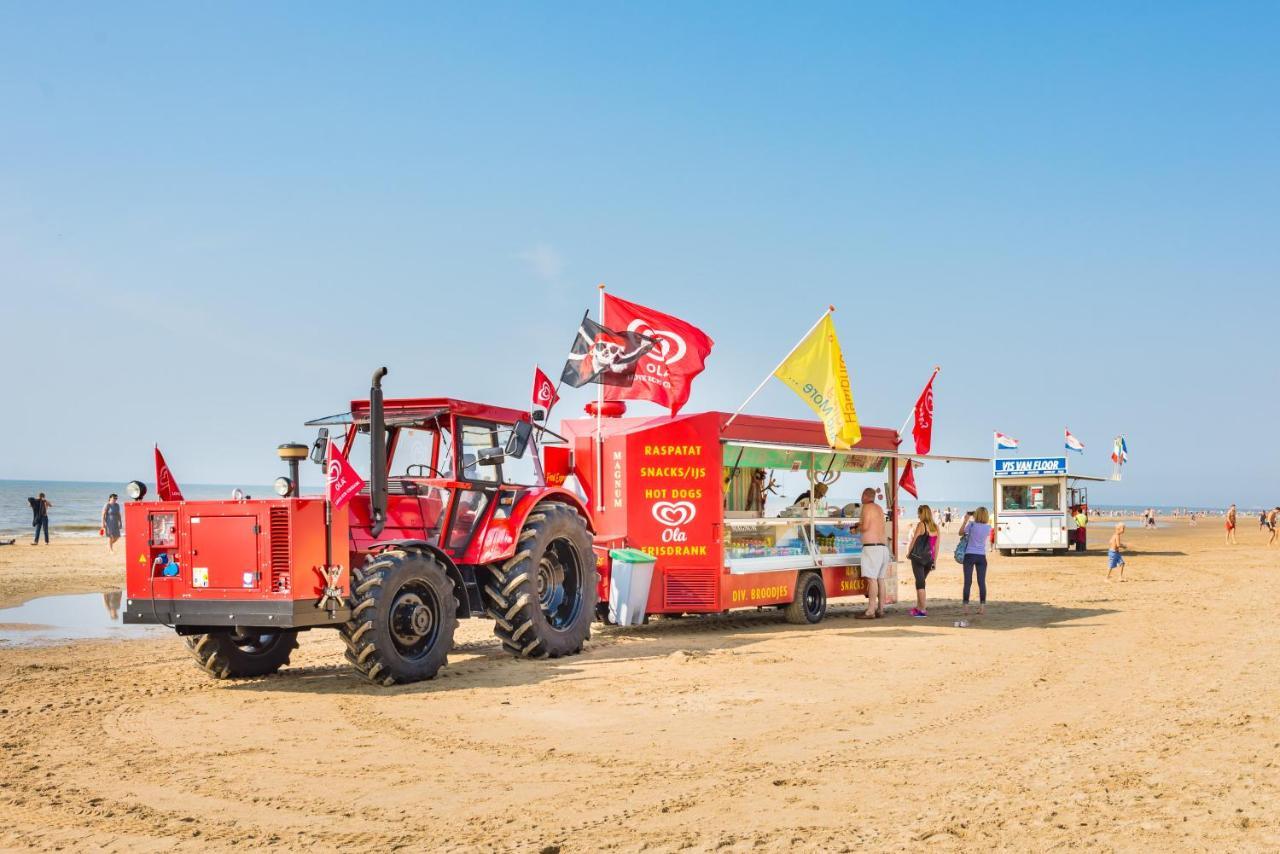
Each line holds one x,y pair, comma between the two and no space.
600,355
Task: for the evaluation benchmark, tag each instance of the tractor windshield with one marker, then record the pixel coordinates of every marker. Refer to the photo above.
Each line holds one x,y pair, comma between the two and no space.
423,451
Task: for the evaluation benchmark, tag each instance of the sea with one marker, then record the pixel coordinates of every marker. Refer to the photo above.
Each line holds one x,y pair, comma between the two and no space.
77,505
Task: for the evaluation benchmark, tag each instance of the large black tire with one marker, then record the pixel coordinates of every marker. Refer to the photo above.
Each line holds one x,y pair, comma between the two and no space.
810,602
241,652
403,616
543,598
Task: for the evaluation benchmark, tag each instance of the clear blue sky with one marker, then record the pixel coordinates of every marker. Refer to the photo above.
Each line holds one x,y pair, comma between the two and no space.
216,219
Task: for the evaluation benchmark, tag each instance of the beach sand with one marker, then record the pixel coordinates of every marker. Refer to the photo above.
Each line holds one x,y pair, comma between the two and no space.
1077,713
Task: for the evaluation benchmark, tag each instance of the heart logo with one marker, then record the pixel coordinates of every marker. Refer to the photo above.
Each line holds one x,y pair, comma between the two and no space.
674,513
670,348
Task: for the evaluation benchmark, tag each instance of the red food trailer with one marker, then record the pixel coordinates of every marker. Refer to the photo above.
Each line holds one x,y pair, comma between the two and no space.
687,491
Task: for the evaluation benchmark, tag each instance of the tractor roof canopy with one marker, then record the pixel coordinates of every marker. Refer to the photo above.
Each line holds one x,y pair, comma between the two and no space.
418,410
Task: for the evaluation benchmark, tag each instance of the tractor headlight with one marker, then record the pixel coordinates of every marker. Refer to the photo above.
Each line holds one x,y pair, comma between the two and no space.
284,487
136,490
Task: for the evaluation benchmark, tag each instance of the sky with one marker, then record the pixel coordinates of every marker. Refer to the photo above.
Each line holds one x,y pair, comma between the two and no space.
217,219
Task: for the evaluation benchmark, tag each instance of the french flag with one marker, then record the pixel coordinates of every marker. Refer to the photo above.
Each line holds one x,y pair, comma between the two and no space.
1073,444
1008,443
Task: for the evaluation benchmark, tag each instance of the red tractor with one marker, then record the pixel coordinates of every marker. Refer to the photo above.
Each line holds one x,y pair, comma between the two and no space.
456,520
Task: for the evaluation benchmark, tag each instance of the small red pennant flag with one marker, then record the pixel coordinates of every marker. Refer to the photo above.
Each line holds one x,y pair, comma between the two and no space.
342,480
908,480
544,391
166,486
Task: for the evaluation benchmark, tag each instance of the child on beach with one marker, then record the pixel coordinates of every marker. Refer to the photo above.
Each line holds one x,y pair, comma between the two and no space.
1114,558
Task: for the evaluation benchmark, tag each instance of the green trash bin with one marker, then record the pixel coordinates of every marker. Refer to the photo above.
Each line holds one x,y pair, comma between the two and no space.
629,581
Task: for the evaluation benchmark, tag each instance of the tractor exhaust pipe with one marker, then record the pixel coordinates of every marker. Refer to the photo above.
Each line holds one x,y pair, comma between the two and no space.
378,454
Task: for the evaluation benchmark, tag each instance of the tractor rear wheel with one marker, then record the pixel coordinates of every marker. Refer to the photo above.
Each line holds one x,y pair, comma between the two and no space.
403,616
243,652
542,599
810,602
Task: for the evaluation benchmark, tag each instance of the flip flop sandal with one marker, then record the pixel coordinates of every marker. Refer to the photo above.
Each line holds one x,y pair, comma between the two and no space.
864,616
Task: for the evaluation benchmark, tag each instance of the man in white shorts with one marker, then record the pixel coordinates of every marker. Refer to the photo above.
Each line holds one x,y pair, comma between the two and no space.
875,553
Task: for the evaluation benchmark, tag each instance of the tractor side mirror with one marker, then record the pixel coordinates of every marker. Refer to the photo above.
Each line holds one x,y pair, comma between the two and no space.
320,447
539,415
518,441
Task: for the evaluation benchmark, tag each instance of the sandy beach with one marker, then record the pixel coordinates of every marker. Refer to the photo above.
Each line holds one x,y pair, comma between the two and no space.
1077,713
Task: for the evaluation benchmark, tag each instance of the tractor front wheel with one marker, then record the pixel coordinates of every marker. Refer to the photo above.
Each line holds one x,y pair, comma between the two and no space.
403,616
242,652
542,599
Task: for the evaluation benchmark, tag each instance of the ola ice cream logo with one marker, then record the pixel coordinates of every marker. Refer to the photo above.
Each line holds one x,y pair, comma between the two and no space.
673,515
671,347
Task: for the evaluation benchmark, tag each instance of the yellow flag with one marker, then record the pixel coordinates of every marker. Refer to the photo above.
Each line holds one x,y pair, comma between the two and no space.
816,372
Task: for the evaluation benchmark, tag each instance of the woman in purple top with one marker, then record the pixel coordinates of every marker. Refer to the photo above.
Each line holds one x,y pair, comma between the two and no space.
978,533
923,554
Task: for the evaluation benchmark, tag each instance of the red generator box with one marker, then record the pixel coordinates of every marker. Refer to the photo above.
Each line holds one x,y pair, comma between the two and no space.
223,563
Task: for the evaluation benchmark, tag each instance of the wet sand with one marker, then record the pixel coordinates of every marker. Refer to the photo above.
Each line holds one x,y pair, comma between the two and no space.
1077,713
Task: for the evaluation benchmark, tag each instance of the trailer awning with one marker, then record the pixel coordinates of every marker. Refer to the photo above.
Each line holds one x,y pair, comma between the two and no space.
740,454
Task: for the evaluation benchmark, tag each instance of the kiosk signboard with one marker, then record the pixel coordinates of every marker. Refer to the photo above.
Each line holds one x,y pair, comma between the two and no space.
1031,467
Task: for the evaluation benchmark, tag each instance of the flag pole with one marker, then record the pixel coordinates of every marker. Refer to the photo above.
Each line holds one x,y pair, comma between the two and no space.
912,414
599,438
765,381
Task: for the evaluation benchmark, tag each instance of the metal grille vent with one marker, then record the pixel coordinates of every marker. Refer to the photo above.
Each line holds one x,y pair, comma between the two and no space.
689,588
280,550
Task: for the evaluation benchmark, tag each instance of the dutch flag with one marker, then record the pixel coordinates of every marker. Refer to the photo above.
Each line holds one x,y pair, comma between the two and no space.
1008,443
1073,444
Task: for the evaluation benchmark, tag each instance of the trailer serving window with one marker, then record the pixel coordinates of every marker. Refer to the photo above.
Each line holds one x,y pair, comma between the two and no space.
1031,496
768,534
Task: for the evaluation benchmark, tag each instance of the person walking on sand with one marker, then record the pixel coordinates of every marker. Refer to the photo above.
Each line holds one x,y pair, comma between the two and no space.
1272,518
923,555
1114,558
111,523
875,554
1231,525
1262,521
40,517
977,531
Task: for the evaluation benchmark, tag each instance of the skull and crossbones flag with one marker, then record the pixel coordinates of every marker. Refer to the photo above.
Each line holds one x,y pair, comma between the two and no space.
600,355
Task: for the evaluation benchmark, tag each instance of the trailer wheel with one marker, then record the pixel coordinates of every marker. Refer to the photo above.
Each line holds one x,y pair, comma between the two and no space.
403,616
241,652
1006,553
810,602
542,599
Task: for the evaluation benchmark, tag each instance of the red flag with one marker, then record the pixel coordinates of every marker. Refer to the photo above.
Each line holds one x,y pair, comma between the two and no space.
908,480
922,432
343,481
166,486
544,391
666,372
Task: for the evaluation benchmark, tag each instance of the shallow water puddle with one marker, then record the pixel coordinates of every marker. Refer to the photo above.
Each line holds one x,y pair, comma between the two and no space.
51,619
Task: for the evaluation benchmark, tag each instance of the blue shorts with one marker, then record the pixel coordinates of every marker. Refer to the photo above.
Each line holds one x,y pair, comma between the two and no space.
1114,559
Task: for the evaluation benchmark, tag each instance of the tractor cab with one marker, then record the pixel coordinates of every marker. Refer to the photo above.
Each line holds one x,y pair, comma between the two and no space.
447,464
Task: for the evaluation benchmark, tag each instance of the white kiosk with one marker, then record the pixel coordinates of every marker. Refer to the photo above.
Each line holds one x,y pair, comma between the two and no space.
1033,498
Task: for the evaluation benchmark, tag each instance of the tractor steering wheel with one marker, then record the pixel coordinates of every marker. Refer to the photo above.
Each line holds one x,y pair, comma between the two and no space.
408,471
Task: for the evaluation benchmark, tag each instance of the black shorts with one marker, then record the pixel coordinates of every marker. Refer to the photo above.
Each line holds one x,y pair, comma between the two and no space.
921,571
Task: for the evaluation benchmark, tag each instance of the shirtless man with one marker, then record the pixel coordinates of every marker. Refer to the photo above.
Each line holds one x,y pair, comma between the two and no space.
1114,558
875,553
1272,518
1231,525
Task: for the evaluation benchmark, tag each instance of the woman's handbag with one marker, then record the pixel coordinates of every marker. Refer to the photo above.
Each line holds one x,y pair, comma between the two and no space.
962,546
920,551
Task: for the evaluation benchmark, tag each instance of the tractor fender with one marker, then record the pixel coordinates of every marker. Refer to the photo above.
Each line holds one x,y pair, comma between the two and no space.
499,542
460,586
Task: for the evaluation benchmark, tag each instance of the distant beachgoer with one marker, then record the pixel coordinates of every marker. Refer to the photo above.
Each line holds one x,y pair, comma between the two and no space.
1114,558
1272,519
40,517
875,553
1262,521
977,531
1082,521
1231,525
923,555
112,525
